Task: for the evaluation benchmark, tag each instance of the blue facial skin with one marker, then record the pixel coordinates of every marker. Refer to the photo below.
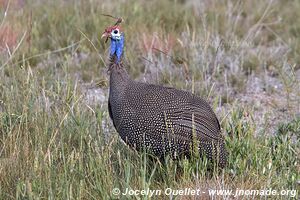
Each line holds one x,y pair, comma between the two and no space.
116,46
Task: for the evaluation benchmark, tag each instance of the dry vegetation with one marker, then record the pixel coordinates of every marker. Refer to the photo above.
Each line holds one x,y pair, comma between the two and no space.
56,139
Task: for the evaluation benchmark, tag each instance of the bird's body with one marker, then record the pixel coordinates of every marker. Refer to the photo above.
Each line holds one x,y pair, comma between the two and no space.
163,120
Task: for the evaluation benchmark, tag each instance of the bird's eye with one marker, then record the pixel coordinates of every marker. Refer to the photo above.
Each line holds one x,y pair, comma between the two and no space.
115,34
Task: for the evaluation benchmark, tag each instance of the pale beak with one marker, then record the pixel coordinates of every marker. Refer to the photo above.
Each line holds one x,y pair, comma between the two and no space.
104,35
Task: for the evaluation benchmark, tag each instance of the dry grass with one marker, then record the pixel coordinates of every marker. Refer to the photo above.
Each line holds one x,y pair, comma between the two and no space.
56,139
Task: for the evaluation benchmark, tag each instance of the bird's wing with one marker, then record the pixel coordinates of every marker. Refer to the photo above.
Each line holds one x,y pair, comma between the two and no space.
181,111
196,120
194,114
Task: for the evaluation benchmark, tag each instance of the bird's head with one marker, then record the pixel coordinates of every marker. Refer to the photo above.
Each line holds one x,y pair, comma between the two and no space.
113,32
116,37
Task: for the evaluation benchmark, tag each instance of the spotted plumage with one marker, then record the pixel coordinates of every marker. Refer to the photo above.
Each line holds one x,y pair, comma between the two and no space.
164,120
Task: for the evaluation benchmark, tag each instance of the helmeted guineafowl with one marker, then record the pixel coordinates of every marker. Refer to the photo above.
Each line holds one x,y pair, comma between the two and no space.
164,120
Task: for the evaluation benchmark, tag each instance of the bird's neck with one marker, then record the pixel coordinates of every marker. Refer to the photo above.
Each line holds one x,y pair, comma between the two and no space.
119,77
118,73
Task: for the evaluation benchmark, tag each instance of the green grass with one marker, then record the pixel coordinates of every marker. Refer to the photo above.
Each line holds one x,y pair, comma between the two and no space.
55,143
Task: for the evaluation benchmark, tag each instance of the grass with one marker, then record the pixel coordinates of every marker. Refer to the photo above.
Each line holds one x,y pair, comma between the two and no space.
56,138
